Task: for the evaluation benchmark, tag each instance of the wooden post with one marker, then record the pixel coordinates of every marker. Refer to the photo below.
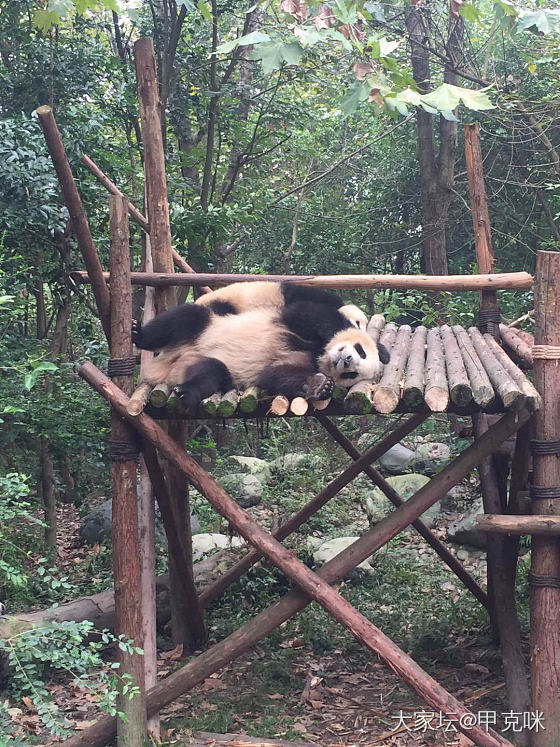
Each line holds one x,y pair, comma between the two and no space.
315,585
126,550
482,226
502,584
191,621
77,214
154,166
545,556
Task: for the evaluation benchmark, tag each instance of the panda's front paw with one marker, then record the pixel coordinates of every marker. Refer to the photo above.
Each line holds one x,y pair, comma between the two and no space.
180,391
319,387
136,330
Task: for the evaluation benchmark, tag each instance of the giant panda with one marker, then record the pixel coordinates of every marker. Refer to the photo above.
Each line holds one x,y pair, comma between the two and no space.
302,349
239,297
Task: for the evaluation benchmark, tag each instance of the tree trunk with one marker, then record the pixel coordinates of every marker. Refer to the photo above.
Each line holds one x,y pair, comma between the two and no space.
48,491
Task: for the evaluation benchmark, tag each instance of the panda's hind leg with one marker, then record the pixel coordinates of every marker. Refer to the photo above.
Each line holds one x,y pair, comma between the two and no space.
295,381
180,325
204,378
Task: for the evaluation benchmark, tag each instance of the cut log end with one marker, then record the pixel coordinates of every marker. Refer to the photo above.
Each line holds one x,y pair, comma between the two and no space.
299,406
437,399
159,395
385,400
279,405
321,404
139,399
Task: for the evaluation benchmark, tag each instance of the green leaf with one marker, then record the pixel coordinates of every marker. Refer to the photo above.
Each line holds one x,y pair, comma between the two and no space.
205,9
256,37
447,97
357,92
273,54
345,12
376,11
546,21
470,12
44,19
504,8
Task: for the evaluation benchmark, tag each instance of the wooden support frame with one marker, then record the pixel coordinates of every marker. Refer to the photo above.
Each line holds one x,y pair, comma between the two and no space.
314,584
517,525
378,480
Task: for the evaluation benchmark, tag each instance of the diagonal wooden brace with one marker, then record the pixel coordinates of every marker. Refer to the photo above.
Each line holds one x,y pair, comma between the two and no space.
316,503
314,585
377,478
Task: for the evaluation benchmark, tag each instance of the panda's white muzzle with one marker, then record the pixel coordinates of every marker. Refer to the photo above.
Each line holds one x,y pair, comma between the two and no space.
345,362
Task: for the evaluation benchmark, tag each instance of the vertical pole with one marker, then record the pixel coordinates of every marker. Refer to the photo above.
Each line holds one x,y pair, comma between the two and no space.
147,530
191,621
482,226
154,166
126,551
545,556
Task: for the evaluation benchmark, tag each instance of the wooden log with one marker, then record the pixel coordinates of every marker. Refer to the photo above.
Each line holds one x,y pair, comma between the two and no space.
134,213
299,406
480,213
228,403
358,399
545,551
154,166
413,392
279,405
377,478
498,281
534,400
514,341
482,389
375,326
126,545
457,376
77,215
139,398
526,337
249,399
501,524
209,739
160,394
388,335
316,503
210,404
436,392
388,392
246,637
508,391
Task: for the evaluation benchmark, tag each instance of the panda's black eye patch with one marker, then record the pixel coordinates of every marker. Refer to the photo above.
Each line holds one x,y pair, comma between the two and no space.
359,349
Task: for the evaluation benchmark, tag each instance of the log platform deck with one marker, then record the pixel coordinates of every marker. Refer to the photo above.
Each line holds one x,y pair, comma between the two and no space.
441,369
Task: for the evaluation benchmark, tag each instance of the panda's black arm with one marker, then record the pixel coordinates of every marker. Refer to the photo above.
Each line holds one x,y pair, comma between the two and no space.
182,324
295,293
316,323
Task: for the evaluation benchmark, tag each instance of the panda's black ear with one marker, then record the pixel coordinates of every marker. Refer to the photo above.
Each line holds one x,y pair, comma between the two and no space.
384,356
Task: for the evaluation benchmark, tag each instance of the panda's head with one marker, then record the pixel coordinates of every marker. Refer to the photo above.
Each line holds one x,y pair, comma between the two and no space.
352,356
355,316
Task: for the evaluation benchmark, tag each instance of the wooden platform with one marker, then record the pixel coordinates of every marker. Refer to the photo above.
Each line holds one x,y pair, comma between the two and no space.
441,369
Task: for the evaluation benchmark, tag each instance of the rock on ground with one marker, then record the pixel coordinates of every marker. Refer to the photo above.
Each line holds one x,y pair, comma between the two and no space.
325,550
210,542
464,531
431,457
289,462
97,526
377,506
260,468
246,490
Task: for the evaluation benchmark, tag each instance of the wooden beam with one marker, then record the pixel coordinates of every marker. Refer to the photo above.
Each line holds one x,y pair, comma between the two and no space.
499,281
545,555
312,584
126,544
77,215
501,524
